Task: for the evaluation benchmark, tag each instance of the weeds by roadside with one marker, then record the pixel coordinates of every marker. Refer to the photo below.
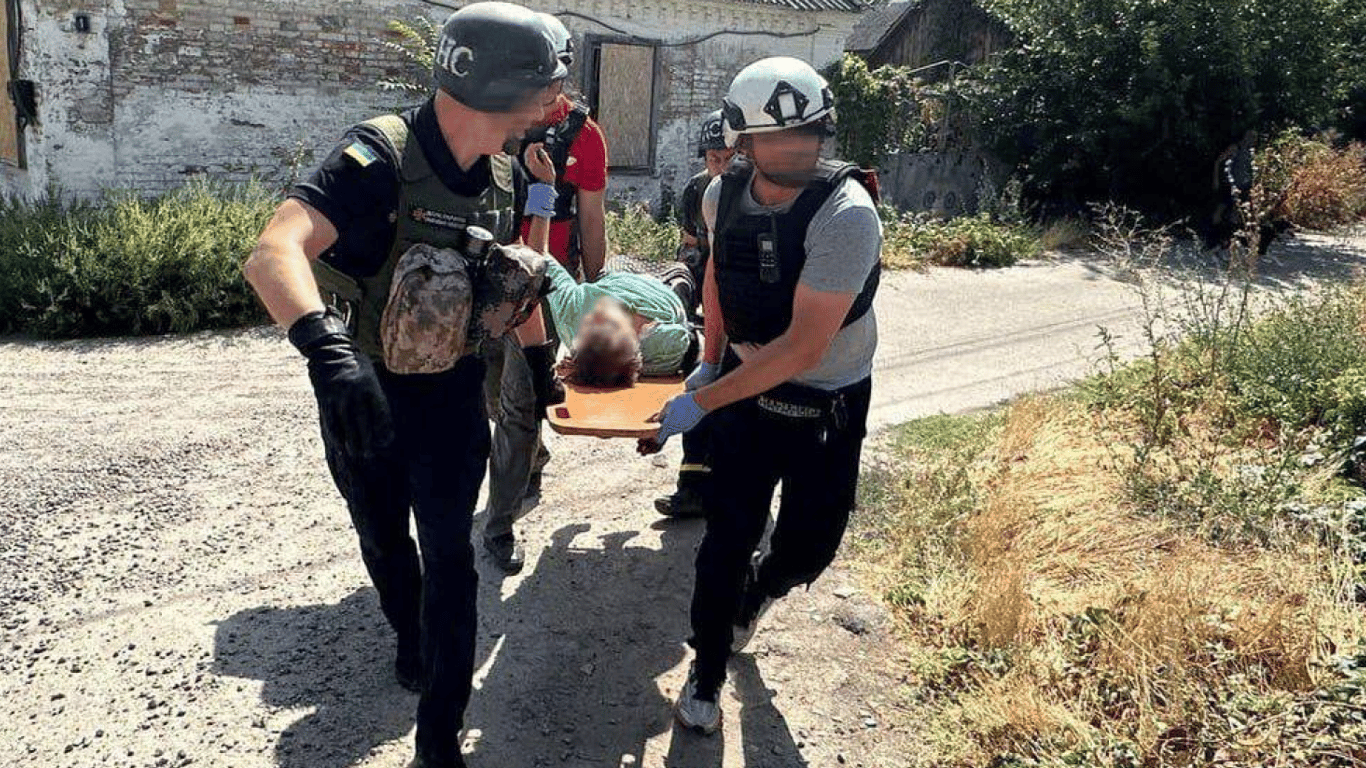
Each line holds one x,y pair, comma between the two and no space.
1160,568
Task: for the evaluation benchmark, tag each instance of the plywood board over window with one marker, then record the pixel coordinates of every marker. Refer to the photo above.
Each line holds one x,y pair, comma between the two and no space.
625,90
10,147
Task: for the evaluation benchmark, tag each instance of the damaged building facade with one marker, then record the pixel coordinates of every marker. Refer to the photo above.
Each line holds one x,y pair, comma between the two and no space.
146,94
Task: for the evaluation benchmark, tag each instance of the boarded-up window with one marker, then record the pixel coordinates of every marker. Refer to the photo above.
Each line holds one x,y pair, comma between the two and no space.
10,148
624,97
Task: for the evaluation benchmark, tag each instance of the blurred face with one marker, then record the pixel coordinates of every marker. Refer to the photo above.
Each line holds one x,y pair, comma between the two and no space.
487,133
607,316
786,158
718,160
552,95
515,124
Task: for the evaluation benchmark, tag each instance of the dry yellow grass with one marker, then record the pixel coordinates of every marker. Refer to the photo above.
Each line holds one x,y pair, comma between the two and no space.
1065,234
1052,537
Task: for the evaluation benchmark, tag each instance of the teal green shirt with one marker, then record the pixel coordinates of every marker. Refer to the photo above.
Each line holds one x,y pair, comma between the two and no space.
662,345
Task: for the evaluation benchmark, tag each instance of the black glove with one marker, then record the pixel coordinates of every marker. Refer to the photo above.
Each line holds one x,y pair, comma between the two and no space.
549,391
350,402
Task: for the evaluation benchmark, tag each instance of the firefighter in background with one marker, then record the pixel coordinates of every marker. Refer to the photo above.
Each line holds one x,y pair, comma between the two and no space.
711,147
693,473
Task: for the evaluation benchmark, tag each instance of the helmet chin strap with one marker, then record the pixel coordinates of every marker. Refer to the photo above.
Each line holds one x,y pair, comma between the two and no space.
787,180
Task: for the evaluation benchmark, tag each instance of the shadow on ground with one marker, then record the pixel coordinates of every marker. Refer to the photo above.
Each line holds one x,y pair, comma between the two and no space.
334,659
568,666
1293,261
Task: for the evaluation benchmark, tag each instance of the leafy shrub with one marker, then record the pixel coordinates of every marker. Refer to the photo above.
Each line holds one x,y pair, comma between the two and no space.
912,239
1290,365
879,110
1346,402
1132,100
128,264
1312,184
414,42
632,230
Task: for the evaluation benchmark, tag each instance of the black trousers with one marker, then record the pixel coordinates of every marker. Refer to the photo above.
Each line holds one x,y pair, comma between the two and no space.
435,470
752,451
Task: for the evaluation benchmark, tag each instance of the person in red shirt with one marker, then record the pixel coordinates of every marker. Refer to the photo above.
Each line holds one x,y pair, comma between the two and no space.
578,233
565,149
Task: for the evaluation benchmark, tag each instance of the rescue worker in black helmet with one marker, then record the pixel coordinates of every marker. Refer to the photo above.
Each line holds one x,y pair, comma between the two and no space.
390,266
711,148
786,377
694,251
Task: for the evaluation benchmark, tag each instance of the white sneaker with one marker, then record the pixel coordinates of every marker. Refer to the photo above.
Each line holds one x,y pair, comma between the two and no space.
696,709
747,622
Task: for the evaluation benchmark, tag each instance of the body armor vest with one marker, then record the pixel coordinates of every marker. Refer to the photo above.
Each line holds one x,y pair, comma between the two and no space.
759,257
429,213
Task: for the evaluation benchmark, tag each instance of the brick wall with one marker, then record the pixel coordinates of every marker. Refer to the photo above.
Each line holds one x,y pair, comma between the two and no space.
163,90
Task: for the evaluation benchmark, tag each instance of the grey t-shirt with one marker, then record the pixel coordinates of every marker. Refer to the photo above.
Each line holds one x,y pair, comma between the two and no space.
843,243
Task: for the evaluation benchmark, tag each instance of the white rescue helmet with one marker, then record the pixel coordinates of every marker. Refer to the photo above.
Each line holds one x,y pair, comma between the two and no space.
775,94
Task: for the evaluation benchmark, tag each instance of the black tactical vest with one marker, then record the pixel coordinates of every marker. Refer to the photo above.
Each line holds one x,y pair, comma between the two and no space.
558,139
428,213
759,257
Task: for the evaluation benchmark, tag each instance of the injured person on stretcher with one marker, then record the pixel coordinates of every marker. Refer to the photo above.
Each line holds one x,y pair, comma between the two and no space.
631,322
625,325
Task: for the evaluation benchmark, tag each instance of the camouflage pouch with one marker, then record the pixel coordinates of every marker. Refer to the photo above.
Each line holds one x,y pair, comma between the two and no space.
426,321
508,285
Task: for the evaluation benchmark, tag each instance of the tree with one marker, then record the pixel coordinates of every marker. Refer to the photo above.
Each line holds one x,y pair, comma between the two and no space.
1132,100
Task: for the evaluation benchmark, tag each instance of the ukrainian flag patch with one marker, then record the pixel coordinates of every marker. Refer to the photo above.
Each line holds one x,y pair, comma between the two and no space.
360,153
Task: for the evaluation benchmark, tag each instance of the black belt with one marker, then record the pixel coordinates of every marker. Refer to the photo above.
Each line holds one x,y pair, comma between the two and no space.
794,401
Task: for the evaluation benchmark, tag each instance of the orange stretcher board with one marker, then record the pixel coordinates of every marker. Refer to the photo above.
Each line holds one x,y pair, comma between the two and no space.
620,412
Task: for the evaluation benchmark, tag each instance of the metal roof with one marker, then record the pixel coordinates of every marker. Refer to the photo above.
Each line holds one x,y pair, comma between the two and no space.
874,26
847,6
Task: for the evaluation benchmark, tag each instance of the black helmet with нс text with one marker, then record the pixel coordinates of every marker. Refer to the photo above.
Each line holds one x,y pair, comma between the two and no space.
492,56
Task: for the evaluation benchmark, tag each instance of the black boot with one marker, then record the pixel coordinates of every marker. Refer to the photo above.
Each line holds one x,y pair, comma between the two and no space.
456,761
688,500
507,553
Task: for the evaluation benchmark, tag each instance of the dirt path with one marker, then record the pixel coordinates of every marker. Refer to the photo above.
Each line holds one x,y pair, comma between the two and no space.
179,583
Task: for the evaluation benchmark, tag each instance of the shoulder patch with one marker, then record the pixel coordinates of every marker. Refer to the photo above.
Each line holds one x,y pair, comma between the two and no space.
361,154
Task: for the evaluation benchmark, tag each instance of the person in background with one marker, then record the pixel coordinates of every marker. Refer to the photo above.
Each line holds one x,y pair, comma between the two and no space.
1232,187
578,231
521,383
694,248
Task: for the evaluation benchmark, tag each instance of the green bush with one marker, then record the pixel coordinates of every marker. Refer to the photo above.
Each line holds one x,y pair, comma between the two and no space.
879,110
1311,183
633,231
128,264
912,239
1293,364
1346,398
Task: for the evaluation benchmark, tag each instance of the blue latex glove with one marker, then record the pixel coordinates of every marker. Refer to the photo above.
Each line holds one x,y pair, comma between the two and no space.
704,374
680,414
540,200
